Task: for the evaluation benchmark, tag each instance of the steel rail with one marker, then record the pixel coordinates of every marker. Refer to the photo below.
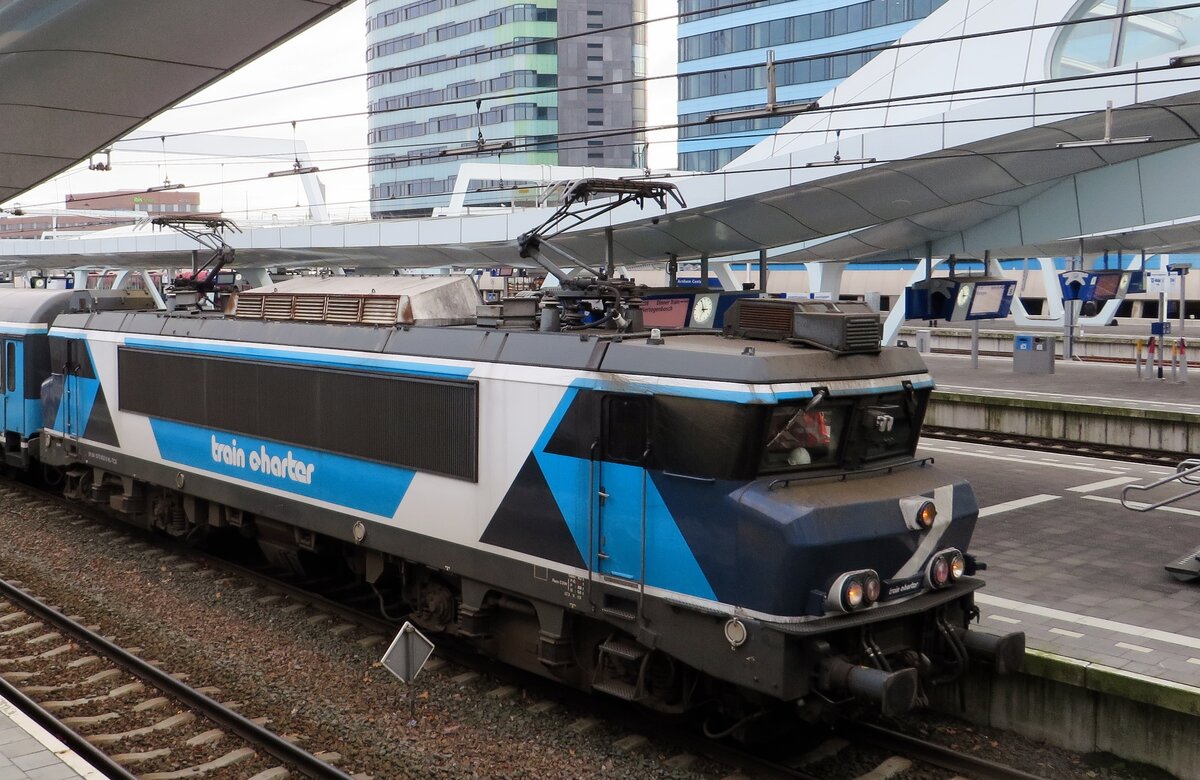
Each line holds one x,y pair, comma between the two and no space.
97,758
271,743
931,753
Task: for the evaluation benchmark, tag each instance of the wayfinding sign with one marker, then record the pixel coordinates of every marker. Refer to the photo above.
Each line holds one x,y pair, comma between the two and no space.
407,654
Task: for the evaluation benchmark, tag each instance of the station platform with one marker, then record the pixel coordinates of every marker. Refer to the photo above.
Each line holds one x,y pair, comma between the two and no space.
1106,384
1080,574
1097,403
29,752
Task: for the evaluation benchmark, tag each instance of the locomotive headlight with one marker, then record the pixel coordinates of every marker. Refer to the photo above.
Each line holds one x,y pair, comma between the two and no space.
958,565
919,513
871,587
940,572
852,594
853,590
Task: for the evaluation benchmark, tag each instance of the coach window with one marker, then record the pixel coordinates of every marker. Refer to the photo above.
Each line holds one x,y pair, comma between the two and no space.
10,366
626,420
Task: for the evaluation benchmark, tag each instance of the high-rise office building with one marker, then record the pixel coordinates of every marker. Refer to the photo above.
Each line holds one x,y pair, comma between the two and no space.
549,77
722,62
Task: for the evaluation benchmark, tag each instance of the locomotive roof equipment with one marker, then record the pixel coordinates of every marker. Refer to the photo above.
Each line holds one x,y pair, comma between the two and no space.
191,288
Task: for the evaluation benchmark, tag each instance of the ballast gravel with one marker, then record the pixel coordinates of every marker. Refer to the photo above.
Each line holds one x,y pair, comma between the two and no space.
325,687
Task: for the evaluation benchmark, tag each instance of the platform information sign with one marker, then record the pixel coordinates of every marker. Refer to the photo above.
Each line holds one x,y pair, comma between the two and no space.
407,654
1160,282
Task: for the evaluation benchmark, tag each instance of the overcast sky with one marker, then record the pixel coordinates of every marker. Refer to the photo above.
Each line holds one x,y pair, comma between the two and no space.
331,50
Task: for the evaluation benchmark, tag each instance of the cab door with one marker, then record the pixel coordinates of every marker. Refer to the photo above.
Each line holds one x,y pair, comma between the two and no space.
619,489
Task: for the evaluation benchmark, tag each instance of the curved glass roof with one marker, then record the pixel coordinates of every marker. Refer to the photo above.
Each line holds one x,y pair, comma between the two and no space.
1100,45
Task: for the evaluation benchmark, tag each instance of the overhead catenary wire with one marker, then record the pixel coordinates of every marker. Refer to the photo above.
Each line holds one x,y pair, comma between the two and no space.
688,174
1163,142
872,49
910,100
906,101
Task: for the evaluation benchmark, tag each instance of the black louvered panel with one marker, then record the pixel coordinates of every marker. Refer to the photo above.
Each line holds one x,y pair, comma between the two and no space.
863,333
766,317
423,424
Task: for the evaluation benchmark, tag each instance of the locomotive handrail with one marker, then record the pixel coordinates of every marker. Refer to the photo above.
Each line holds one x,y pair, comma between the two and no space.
1186,473
786,481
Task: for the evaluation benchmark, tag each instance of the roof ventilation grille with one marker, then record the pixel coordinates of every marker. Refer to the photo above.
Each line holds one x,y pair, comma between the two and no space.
844,327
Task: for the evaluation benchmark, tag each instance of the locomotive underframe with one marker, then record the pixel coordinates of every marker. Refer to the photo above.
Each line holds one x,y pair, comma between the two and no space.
590,632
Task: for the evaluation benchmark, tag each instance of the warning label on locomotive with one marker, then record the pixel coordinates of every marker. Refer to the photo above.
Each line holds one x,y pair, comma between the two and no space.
263,461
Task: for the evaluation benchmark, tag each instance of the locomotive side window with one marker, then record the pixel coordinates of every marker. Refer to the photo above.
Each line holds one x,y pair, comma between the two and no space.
705,438
626,422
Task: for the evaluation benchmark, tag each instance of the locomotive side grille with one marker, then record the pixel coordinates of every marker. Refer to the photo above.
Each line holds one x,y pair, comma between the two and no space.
310,308
277,307
345,309
381,311
316,307
249,306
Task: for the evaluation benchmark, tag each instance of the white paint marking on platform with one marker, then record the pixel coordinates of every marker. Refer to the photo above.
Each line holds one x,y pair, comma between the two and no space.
1012,459
1065,632
1138,648
1195,661
1017,503
1004,619
1103,484
1139,505
999,602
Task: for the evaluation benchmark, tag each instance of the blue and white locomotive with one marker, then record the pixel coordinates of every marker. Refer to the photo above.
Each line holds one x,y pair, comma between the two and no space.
726,519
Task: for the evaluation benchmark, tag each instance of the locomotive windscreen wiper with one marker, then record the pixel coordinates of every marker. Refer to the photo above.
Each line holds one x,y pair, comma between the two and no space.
819,396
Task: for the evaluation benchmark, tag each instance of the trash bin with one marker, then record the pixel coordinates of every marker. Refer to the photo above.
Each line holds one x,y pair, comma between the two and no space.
924,341
1033,354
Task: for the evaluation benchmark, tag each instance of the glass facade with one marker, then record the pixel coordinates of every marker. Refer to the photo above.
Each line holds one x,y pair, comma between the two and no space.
722,62
442,72
1107,43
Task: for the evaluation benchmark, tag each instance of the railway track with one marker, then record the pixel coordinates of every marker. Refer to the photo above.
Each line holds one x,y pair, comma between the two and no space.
877,753
123,713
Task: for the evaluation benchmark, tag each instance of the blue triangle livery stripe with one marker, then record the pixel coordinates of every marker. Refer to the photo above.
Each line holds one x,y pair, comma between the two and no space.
670,563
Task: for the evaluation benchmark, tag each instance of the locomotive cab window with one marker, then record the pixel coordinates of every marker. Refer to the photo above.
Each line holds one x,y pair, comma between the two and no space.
847,432
626,422
801,437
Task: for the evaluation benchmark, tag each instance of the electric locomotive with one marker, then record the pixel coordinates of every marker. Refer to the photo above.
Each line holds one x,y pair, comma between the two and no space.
731,519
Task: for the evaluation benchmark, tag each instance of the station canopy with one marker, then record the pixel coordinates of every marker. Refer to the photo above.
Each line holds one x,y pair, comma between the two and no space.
984,130
76,75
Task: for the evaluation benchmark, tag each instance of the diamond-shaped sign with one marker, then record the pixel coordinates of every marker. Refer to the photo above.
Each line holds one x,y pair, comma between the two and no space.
407,654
